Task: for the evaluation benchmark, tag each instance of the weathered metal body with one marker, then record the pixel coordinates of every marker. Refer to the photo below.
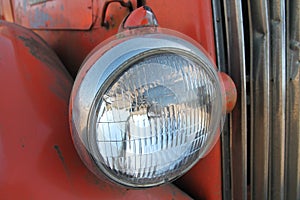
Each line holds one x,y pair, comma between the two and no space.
37,155
255,42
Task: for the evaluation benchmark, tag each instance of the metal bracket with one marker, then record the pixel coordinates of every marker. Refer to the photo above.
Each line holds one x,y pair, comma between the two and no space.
122,3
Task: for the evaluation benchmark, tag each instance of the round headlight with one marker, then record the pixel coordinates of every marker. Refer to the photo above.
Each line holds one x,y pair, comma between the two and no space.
146,107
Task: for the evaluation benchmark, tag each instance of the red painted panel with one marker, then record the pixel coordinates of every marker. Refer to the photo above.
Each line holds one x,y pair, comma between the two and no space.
37,156
193,18
54,14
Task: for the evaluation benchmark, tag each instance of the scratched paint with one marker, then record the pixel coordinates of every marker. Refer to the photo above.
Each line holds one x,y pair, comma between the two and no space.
62,159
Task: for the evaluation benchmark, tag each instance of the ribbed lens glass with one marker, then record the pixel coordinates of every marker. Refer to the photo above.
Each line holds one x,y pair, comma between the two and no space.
156,120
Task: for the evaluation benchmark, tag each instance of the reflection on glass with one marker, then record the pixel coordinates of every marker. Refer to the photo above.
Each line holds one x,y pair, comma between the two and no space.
156,118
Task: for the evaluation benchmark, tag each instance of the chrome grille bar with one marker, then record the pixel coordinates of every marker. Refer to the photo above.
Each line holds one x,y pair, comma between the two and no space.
238,117
293,101
259,97
222,66
274,130
278,99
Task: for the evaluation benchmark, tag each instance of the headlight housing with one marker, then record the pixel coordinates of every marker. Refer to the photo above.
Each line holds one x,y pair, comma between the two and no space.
145,107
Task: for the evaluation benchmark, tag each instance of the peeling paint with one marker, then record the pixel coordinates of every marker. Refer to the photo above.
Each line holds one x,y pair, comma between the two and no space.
52,14
62,87
40,19
39,51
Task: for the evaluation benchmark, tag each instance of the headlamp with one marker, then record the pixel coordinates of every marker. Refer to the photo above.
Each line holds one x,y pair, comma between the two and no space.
145,107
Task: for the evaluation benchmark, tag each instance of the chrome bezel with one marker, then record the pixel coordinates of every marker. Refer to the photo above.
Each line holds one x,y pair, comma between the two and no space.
94,79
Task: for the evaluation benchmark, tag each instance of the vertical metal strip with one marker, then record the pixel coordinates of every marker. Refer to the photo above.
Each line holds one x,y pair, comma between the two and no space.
221,63
278,99
219,35
259,90
293,112
238,118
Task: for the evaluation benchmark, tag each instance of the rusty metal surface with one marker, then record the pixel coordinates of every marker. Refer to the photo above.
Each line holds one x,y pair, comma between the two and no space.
238,117
38,159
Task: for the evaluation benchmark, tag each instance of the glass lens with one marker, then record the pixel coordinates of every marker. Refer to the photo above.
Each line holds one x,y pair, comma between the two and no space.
156,120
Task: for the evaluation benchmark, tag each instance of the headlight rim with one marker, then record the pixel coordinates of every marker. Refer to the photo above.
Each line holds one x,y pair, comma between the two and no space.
119,65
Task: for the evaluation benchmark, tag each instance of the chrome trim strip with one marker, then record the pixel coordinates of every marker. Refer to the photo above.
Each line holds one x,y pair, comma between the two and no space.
221,63
238,117
260,97
293,96
274,29
278,99
219,35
